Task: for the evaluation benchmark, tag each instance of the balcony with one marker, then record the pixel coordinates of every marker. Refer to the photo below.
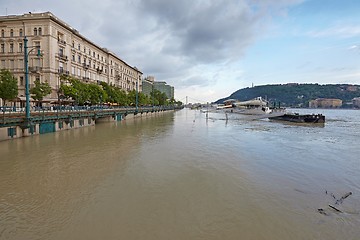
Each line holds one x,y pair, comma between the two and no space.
99,70
62,71
62,56
35,69
62,42
86,66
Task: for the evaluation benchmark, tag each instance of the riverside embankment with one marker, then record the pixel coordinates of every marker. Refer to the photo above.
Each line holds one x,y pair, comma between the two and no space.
14,124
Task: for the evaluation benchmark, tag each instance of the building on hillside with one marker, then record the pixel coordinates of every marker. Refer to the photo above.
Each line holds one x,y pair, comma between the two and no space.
352,88
356,102
148,85
165,88
63,51
325,103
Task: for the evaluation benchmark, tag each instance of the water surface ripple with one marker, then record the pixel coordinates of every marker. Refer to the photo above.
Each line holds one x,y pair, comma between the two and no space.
184,176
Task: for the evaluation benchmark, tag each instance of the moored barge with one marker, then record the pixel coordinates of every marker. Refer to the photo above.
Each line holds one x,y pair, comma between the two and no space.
300,118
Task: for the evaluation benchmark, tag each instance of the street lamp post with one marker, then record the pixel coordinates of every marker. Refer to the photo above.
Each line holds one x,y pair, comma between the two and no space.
137,97
26,66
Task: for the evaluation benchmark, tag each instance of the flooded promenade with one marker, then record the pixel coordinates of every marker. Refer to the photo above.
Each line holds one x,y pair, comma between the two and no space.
180,175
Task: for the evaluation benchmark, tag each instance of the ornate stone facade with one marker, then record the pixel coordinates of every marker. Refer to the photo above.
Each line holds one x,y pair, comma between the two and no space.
63,51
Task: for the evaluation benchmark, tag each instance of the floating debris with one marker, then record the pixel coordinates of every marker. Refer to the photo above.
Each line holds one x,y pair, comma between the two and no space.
342,198
337,202
322,211
335,208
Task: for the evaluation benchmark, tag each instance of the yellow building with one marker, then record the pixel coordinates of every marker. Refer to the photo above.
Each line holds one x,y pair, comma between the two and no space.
325,103
63,51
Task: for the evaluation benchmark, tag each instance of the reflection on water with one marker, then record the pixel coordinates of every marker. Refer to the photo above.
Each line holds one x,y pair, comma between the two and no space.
183,176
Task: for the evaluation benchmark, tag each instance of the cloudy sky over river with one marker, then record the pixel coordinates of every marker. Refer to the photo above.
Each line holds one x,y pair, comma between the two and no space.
207,49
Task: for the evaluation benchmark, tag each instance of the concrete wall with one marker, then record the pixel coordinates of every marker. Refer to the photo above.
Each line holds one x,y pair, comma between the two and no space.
7,133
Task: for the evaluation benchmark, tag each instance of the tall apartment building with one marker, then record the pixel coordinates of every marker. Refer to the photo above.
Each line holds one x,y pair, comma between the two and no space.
63,51
148,85
164,88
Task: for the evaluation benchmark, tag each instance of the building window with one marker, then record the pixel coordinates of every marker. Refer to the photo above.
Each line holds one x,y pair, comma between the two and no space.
93,54
84,49
2,33
40,31
73,44
12,64
21,63
37,44
11,50
89,52
79,46
20,32
21,81
98,56
11,33
3,48
73,58
79,59
20,47
35,32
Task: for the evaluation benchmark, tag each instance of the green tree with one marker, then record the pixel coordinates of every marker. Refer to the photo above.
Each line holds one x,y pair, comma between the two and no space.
114,94
121,97
75,89
96,94
132,98
160,97
40,90
8,85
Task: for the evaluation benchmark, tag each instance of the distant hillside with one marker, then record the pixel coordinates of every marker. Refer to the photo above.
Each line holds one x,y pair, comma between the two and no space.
297,95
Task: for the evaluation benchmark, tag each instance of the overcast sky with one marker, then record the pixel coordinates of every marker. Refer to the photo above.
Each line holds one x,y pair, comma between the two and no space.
207,49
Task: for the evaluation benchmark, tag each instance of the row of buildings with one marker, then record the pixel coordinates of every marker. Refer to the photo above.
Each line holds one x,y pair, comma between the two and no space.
332,103
63,51
149,84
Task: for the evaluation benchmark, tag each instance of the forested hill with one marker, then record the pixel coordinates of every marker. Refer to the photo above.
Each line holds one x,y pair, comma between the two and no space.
296,95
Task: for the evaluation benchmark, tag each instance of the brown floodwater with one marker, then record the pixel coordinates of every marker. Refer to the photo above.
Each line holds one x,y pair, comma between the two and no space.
180,175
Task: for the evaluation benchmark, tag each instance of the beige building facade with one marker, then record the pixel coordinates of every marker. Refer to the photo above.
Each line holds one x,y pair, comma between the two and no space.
325,103
63,51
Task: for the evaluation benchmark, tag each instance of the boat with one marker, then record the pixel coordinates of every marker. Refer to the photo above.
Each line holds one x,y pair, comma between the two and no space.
256,108
300,118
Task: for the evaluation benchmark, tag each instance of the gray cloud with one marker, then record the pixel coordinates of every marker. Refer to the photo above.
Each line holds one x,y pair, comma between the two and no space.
164,38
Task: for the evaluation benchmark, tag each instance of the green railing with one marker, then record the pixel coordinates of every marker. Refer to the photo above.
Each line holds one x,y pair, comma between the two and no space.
51,114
